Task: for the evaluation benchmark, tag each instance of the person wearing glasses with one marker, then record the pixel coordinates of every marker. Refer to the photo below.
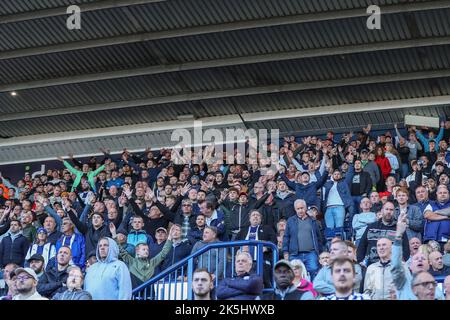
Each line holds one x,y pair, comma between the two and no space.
26,282
424,286
406,281
74,286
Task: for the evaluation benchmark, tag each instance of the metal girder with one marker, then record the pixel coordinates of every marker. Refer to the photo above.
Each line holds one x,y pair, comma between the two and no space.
223,27
197,96
212,122
123,130
59,11
226,62
346,108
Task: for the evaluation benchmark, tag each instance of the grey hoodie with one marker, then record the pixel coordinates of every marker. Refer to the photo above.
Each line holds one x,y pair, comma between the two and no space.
108,279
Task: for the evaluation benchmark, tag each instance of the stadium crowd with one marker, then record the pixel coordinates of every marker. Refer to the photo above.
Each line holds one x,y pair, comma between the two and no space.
365,216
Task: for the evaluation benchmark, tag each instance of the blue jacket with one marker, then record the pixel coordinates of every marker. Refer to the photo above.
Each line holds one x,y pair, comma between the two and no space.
194,235
178,252
244,287
425,141
135,237
219,223
290,243
436,230
109,279
343,188
307,192
115,182
78,248
422,205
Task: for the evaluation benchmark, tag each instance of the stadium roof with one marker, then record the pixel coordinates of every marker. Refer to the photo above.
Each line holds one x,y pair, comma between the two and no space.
140,68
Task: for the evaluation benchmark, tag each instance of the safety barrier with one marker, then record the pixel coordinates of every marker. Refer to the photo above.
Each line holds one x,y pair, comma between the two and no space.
175,283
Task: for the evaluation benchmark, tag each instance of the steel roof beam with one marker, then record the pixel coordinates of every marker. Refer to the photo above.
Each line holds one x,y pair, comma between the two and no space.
198,96
227,62
223,27
219,122
59,11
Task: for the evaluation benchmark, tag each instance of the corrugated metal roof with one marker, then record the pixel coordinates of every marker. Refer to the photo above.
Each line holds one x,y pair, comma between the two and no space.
347,121
242,76
325,34
8,7
228,106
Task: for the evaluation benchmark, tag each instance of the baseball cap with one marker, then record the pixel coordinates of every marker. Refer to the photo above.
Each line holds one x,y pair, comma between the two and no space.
161,228
37,257
27,270
284,263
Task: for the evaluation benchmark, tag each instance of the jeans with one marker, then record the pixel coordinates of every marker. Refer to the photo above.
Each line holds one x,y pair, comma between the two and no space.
404,170
356,203
311,261
334,217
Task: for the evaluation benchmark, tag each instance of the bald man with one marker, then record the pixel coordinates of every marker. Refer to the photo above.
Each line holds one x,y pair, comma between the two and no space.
437,267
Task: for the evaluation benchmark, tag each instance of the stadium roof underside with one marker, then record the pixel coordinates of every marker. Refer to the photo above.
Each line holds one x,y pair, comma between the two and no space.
137,69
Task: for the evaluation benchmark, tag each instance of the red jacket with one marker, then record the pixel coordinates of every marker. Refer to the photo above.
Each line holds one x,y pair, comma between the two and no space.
384,165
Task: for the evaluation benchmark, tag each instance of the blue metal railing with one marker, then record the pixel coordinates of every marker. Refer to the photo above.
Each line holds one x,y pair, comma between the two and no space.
175,283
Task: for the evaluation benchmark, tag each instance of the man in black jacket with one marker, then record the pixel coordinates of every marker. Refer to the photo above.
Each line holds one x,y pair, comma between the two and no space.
14,247
55,277
285,289
94,230
256,231
240,212
360,185
383,228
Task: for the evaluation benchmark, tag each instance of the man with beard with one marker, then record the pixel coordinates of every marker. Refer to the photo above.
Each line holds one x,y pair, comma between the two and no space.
55,277
26,282
285,289
343,273
383,228
202,284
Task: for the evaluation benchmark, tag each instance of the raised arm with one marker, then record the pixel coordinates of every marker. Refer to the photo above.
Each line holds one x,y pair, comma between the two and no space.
398,272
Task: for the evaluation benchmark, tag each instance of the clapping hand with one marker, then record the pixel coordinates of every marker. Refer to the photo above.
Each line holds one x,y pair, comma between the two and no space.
112,229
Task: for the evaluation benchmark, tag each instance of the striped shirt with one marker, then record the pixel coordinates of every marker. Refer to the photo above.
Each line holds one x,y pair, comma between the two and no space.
353,296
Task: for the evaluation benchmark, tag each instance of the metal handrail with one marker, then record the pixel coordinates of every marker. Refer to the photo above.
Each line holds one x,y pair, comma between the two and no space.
208,247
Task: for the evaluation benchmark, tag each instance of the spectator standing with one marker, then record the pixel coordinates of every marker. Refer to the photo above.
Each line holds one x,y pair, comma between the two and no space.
74,286
54,278
301,239
108,278
14,246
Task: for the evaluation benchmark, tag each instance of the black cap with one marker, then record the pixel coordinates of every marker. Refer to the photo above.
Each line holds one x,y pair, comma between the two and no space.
122,231
93,253
36,256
